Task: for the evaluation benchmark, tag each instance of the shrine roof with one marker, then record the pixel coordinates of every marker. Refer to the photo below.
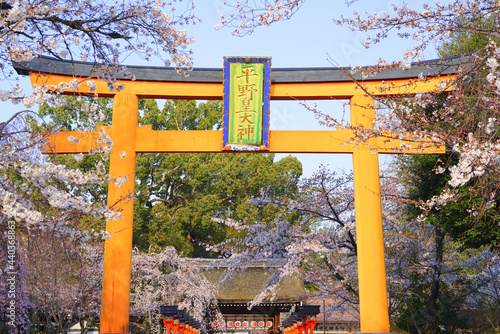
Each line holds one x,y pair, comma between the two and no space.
436,67
244,286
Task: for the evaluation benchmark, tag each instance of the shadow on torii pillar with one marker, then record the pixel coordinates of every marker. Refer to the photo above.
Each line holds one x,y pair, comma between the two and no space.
207,84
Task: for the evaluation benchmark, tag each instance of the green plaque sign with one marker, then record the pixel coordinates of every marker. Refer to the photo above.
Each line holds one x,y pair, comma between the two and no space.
245,103
246,95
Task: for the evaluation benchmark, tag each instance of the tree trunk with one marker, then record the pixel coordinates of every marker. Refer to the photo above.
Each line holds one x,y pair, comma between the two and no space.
432,316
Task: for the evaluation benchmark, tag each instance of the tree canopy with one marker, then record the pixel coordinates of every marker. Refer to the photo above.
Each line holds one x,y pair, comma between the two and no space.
180,194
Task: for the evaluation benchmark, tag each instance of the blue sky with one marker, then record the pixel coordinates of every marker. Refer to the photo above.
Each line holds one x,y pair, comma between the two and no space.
309,39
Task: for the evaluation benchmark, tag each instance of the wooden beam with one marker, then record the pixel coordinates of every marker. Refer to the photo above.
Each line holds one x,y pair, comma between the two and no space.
214,91
184,141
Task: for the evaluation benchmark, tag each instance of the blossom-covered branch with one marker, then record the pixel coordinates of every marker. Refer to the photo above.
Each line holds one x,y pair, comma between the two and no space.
165,278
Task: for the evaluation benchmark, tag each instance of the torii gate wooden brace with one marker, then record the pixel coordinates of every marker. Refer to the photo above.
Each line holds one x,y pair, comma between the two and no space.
205,84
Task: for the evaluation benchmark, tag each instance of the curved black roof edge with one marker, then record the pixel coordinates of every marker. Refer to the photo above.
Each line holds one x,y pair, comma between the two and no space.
435,67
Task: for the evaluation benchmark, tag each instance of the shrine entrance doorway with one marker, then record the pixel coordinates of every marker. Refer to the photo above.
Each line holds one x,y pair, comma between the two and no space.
262,319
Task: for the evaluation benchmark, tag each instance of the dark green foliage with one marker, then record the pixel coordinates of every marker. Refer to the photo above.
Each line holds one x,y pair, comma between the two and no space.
78,114
437,306
422,182
179,194
414,313
470,40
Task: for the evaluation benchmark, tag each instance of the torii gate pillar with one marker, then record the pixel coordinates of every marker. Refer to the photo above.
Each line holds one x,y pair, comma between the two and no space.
373,305
115,304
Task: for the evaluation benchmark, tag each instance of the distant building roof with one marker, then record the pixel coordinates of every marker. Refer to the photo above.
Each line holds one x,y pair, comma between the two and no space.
244,286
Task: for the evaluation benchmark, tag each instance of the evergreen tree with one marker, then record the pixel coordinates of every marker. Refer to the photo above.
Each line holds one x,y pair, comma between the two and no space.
178,195
440,306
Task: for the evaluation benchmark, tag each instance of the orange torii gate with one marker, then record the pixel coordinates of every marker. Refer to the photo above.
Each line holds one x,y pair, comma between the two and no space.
206,84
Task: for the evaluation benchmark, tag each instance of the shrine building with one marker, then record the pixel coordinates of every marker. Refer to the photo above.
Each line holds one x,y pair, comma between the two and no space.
293,310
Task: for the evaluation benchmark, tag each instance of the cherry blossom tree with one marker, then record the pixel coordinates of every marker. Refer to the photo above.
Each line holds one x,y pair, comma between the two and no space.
52,278
246,15
465,120
102,32
166,278
320,249
431,276
486,303
38,196
430,281
65,277
13,277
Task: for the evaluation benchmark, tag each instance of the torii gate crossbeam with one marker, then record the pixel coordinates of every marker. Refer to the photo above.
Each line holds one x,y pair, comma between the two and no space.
317,84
